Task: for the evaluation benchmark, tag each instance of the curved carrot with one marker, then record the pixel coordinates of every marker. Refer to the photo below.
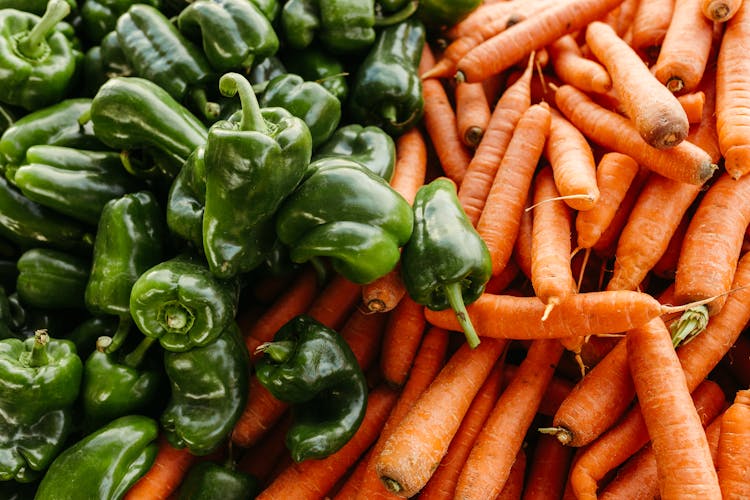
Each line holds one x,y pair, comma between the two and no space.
403,333
573,68
720,10
472,112
733,463
165,474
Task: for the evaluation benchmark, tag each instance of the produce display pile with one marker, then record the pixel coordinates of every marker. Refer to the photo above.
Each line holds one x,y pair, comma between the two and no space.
358,249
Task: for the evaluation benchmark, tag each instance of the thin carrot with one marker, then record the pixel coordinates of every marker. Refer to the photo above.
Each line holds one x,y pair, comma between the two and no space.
508,47
411,163
416,446
472,112
522,246
720,10
548,469
515,100
650,26
513,487
621,17
312,479
557,390
693,103
165,474
363,332
503,432
403,333
260,459
350,487
704,134
733,461
666,266
498,224
335,302
732,96
573,68
260,414
684,162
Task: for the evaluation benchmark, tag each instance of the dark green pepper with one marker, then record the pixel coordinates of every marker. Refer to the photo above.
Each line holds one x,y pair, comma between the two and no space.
347,25
187,199
317,64
212,481
52,279
252,163
74,182
371,146
99,17
300,22
182,304
34,6
209,391
347,213
114,61
387,89
7,117
39,382
439,14
6,315
86,333
313,368
308,100
105,463
39,60
445,263
233,33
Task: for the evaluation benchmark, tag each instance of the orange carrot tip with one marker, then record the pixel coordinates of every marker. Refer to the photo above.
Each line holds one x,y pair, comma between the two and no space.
691,323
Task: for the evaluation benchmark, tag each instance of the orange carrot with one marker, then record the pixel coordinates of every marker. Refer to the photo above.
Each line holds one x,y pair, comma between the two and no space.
165,474
573,68
650,26
733,461
498,224
385,293
693,103
548,469
666,266
313,479
348,490
720,10
416,446
684,162
335,302
621,17
508,47
513,487
557,390
403,334
260,459
260,414
363,332
522,247
704,134
487,14
472,112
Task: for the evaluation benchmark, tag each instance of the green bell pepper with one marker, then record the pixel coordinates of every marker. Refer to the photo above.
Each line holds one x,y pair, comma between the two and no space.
308,100
439,14
369,145
209,391
105,463
39,382
314,63
182,304
341,26
132,113
299,22
99,17
52,279
38,59
387,89
252,163
114,61
347,213
269,8
34,6
212,481
445,263
74,182
86,333
313,368
187,199
233,33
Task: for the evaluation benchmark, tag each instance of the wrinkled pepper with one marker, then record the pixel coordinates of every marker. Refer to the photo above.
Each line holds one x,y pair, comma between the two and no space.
314,63
39,382
312,367
209,390
308,100
213,481
187,199
99,17
233,33
368,145
105,463
445,263
345,212
38,58
252,163
52,279
387,90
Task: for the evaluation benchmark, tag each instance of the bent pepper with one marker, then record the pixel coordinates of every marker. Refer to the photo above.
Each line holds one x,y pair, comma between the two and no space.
369,145
52,279
445,263
313,368
99,17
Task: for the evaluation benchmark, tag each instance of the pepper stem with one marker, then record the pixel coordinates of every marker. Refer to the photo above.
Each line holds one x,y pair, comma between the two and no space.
210,110
38,355
691,323
175,317
123,329
398,16
134,358
251,118
456,300
279,351
33,45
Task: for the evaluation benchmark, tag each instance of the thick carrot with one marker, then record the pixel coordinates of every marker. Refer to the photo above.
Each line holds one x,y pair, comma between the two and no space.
573,68
733,461
547,469
364,332
732,95
416,446
348,490
312,479
403,333
260,414
165,474
486,14
335,302
513,487
515,100
557,390
709,253
503,432
498,224
472,112
385,293
684,162
650,26
508,47
720,10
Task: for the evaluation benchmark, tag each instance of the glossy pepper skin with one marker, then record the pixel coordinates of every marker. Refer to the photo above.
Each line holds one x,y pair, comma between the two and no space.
312,367
212,481
369,145
182,304
52,279
341,26
314,63
308,100
105,463
39,382
445,263
209,392
438,14
99,17
186,200
233,33
387,90
300,21
132,114
40,59
361,233
252,163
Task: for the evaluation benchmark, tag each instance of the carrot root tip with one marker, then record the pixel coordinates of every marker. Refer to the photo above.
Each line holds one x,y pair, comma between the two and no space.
391,485
563,435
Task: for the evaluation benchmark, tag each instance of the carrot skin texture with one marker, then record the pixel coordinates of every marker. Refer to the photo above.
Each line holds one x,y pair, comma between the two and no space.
733,465
574,69
404,330
650,25
165,475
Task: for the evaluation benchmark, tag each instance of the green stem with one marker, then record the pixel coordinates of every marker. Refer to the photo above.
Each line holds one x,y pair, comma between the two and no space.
252,119
123,329
397,17
209,109
134,358
456,300
691,323
33,44
390,113
38,355
279,351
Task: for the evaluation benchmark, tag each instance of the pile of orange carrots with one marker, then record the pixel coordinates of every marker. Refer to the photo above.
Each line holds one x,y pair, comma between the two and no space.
602,150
